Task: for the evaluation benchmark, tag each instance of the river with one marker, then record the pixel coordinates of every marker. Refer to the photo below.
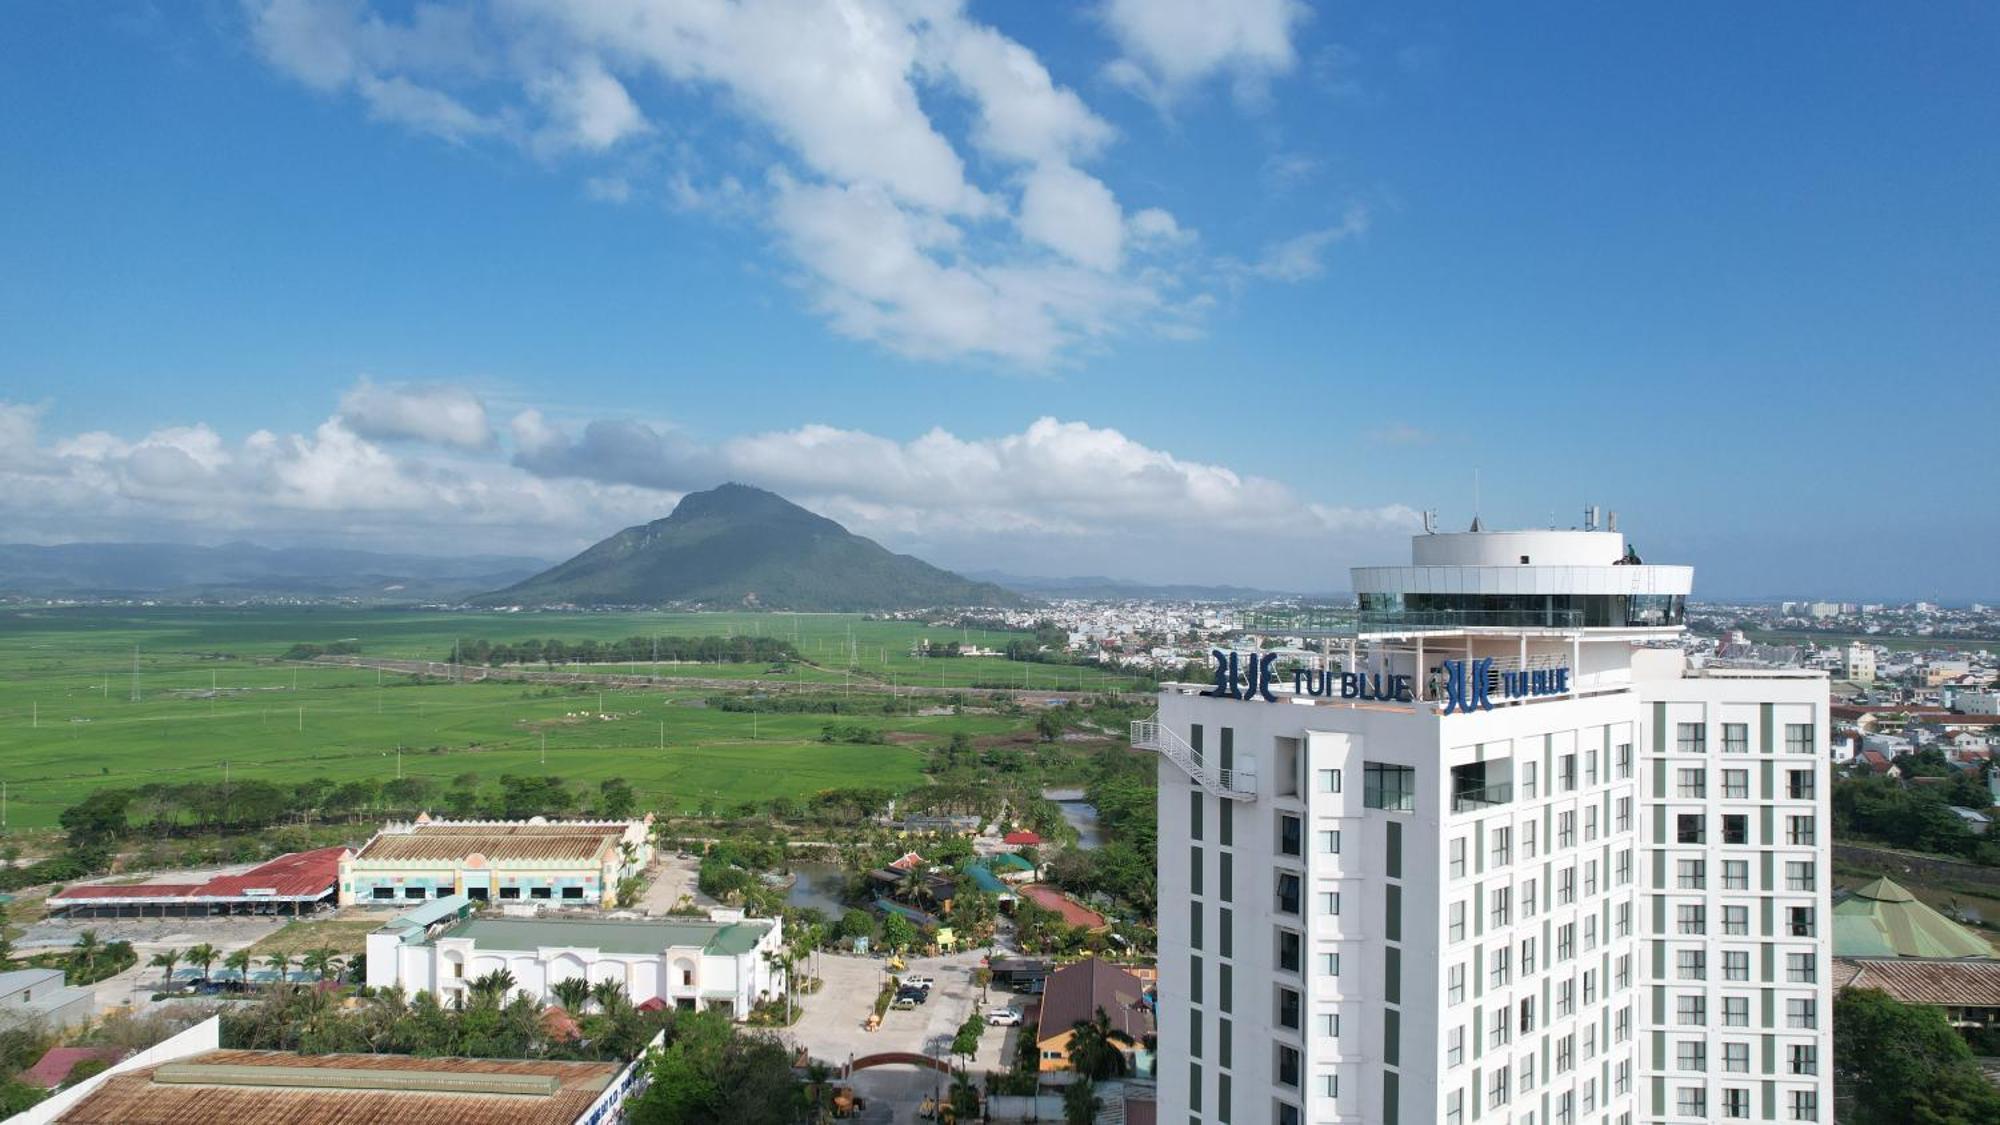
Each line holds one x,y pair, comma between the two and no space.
1081,814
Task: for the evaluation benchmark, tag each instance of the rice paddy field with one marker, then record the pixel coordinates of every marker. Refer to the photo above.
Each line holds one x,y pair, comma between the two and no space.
98,696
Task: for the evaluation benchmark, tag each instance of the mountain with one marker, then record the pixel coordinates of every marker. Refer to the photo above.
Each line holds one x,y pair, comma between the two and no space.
734,546
1096,587
247,571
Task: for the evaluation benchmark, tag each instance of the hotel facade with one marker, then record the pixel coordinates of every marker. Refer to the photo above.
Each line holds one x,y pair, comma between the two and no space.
1503,857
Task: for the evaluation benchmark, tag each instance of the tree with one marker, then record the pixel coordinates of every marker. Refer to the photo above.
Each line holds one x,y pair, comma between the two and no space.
615,798
610,997
282,964
1093,1052
85,952
491,988
1896,1063
1080,1102
966,1041
1049,725
322,962
857,923
202,956
98,820
898,932
239,963
708,1074
165,960
573,993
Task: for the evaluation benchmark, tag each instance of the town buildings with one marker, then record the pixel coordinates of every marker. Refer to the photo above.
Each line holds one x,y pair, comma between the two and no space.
724,961
295,883
574,862
1502,856
40,998
1076,994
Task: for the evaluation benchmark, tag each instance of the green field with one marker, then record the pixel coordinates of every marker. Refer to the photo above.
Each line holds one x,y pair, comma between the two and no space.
212,691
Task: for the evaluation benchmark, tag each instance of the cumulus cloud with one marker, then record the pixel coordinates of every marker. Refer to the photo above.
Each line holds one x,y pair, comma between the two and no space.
442,415
988,233
1170,45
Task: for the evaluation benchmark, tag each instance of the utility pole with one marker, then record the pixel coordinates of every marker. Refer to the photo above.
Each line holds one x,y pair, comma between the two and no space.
545,748
135,673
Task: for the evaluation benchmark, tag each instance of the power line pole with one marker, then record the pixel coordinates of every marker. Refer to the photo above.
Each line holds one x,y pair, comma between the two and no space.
135,673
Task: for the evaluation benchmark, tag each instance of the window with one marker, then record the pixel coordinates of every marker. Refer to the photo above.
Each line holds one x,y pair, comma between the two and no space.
1565,1054
1566,829
1624,919
1735,828
1503,847
1288,893
1288,1066
1329,964
1565,999
1590,769
1736,785
1527,955
1736,1058
1799,875
1455,984
1736,1013
1691,918
1622,974
1799,921
390,892
1693,874
1291,948
1496,1089
1528,839
1566,886
1527,898
418,892
1691,1054
1737,921
1329,841
1798,738
1691,738
1288,1009
1805,1104
1801,1013
1692,783
1454,1046
1691,1010
1500,912
1624,819
1291,835
1692,964
1503,1027
1329,1086
1801,968
1589,877
1458,858
1735,874
1798,830
1623,756
572,893
1456,916
1527,781
1329,902
1803,1058
1565,941
1454,1108
1799,784
1736,738
1689,829
1735,964
1527,1014
1735,1102
1389,787
1329,781
1327,1024
1693,1101
1622,1029
1589,823
1497,973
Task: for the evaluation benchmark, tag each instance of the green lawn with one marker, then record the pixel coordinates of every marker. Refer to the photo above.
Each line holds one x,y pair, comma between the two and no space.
211,691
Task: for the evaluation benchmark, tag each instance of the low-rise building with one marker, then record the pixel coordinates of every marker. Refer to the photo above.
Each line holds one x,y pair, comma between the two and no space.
724,961
296,883
578,862
1075,994
40,997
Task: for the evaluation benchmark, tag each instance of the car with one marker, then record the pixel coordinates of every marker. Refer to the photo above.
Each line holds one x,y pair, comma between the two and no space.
1004,1017
904,1002
915,981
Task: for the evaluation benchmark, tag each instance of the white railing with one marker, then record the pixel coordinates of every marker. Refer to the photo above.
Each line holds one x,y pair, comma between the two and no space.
1151,734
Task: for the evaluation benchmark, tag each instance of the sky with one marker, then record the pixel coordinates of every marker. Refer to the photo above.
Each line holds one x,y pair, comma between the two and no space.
1159,290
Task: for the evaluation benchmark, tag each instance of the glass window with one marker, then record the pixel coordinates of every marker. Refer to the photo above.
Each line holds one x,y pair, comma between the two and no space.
1288,893
1801,968
1499,913
1735,964
1454,1046
1736,784
1329,781
1691,1010
1693,783
1689,828
1799,875
1329,964
1799,784
1799,830
1801,1013
1691,738
1389,787
1455,984
1735,828
1736,738
1691,1054
1802,1058
1288,1009
1693,874
1736,1058
1329,841
1805,1105
1691,918
1290,950
1503,847
1291,835
1736,921
1693,1101
1691,964
1735,1102
1799,738
1456,915
1736,1013
1457,849
1329,902
1799,921
1624,759
1735,874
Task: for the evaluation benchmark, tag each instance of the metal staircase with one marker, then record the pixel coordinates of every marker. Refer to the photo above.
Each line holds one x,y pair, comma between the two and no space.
1151,734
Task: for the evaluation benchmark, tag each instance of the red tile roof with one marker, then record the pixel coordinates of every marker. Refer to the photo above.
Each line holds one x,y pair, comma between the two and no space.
1074,993
1072,911
1022,836
53,1069
296,875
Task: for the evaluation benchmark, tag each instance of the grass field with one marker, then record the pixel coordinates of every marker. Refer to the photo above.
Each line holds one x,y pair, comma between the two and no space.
211,691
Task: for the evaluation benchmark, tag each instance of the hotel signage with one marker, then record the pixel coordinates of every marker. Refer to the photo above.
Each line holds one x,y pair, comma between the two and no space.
1469,685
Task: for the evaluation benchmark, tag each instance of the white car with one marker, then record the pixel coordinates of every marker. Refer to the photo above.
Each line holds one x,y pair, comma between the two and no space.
1004,1017
918,981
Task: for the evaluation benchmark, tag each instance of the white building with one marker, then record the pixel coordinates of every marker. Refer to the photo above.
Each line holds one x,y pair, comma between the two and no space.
714,962
1505,864
1858,663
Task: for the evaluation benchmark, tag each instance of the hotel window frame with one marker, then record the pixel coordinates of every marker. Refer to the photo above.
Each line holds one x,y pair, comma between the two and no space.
1797,792
1455,921
1801,831
1735,1058
1801,921
1736,828
1801,875
1691,784
1799,738
1291,836
1329,841
1736,965
1690,1010
1502,850
1328,781
1736,1013
1690,828
1735,920
1691,964
1455,861
1690,738
1691,874
1736,738
1735,874
1801,1013
1389,787
1624,761
1691,918
1801,968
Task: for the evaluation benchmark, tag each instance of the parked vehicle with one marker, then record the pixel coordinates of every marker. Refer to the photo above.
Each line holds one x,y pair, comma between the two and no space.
1004,1017
905,1001
916,981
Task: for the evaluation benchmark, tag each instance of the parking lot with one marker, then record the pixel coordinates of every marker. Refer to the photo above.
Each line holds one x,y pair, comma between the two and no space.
831,1027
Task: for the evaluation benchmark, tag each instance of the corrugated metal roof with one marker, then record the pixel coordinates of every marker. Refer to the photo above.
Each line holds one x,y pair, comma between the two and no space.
1075,992
451,843
251,1088
295,875
1881,919
1955,984
614,936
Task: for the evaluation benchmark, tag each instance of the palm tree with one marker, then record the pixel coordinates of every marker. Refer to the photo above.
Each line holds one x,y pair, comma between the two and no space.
85,953
573,993
166,959
1080,1101
239,962
1092,1051
282,962
609,994
323,962
203,956
493,986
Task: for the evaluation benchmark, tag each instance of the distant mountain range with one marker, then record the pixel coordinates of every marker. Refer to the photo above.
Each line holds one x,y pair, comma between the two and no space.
247,571
1096,587
735,546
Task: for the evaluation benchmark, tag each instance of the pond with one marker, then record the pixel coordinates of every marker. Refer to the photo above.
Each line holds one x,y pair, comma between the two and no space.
818,887
1081,814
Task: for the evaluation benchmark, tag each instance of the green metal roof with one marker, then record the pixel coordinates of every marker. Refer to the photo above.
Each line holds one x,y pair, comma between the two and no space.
726,939
1881,919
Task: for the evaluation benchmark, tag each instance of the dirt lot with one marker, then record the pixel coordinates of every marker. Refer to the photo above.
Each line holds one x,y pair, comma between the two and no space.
346,932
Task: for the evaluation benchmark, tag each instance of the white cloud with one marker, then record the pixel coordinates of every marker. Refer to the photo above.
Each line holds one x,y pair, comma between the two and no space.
587,109
442,415
608,189
1303,257
1170,45
1075,215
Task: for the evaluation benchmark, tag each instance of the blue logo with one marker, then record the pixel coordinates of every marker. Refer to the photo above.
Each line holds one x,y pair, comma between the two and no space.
1229,682
1468,685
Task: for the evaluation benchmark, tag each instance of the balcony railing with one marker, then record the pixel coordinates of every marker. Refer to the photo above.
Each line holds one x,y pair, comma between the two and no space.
1498,793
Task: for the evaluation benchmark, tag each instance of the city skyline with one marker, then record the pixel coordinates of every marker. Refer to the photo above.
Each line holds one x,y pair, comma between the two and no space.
1062,293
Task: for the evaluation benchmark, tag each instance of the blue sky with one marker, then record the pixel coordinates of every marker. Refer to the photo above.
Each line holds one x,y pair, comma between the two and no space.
1121,288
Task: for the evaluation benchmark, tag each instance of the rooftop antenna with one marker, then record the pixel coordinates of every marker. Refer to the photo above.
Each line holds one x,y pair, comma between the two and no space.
1590,517
1613,524
1475,501
1430,521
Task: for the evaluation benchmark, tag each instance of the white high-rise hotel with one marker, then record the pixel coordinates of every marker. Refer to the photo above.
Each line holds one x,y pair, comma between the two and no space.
1511,862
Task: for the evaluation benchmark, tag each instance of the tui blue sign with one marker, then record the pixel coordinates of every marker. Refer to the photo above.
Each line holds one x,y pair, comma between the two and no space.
1468,684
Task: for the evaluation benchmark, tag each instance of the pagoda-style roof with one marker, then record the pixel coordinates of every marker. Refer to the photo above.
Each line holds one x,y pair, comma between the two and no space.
1881,919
